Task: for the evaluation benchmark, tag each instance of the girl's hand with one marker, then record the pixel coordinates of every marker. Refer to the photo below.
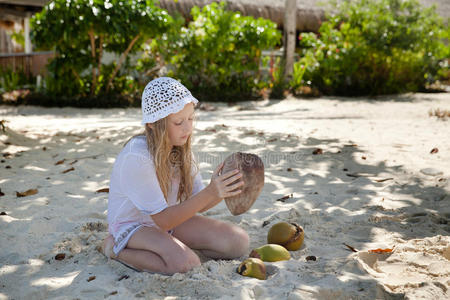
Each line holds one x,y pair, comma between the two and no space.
221,184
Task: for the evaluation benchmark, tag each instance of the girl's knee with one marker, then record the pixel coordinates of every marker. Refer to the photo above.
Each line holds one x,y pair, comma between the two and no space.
237,243
183,263
243,242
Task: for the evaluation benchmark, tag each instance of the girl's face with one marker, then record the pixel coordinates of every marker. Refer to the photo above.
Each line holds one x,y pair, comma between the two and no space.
179,125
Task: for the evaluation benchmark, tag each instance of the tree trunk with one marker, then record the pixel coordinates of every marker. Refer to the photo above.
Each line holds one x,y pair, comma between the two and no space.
76,75
121,60
94,69
100,54
290,9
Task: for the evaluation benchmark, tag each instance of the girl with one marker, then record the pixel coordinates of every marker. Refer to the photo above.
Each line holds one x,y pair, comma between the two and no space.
156,192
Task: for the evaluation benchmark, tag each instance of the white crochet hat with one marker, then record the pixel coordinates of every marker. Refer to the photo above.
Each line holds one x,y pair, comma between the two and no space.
164,96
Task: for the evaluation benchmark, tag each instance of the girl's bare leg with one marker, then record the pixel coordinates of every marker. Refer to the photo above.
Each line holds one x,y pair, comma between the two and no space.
151,249
214,238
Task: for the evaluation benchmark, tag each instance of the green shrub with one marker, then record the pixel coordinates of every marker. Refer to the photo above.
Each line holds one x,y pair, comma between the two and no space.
25,97
218,55
11,80
19,38
374,47
82,31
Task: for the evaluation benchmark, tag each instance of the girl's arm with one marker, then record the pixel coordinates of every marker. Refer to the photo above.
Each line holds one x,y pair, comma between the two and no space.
211,205
210,196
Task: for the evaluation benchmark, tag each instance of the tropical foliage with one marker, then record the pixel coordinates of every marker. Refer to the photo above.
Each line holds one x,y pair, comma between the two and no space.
375,47
81,32
218,55
107,50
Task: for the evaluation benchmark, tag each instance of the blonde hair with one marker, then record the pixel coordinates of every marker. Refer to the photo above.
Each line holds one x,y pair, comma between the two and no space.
170,161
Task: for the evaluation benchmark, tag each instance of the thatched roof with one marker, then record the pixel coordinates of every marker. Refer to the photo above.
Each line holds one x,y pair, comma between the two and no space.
308,17
309,12
38,3
18,9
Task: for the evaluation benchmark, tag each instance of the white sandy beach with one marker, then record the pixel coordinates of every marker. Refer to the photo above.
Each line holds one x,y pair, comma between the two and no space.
376,185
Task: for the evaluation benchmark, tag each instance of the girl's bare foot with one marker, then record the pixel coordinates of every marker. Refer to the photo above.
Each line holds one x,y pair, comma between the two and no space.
107,247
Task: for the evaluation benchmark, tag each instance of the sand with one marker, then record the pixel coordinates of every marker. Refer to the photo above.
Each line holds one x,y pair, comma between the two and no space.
375,185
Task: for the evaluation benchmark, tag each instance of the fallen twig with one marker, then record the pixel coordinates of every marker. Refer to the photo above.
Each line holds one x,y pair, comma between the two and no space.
353,175
76,159
383,180
284,198
350,247
90,156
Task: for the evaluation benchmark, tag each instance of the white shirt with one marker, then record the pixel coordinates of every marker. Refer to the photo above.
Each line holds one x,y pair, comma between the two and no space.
134,191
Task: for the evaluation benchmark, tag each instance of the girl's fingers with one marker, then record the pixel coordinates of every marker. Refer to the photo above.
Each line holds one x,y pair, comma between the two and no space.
217,170
235,186
234,193
232,179
229,174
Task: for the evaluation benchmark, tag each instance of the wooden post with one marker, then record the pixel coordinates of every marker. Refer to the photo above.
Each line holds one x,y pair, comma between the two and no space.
290,12
26,23
27,59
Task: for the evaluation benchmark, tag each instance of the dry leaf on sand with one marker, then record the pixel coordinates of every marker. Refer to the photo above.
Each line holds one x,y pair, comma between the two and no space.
60,256
59,162
27,193
379,250
317,151
68,170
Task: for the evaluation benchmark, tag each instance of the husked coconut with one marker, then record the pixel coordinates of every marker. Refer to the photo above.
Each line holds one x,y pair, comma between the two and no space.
252,169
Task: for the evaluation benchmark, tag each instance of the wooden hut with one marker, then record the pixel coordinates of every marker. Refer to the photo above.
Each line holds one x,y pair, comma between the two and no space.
16,15
17,12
